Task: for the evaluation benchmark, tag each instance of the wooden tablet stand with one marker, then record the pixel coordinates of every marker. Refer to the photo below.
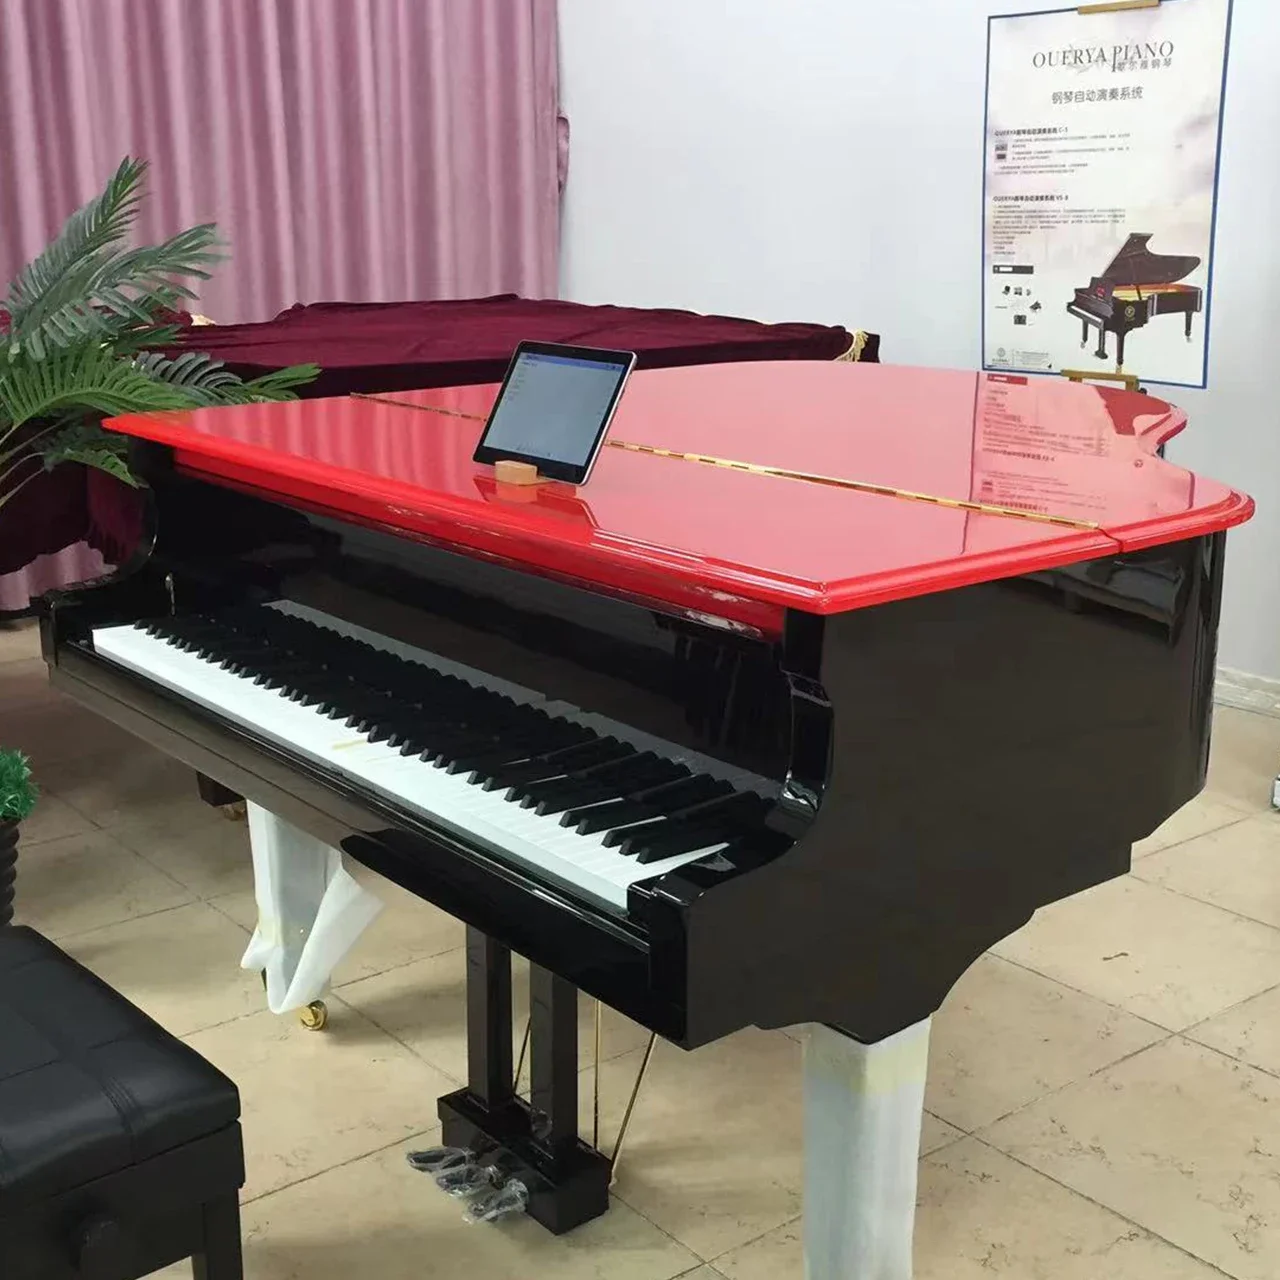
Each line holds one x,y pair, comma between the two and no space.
509,471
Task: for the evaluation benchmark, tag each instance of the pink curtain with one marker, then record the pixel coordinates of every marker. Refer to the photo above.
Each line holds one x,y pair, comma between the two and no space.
353,150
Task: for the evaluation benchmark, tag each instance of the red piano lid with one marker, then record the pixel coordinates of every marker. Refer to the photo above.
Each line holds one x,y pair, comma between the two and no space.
732,543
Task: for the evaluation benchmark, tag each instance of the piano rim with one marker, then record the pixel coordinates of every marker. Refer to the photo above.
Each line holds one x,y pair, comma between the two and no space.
88,678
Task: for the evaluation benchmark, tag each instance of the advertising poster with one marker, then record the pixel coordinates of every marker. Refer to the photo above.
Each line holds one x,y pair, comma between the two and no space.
1102,141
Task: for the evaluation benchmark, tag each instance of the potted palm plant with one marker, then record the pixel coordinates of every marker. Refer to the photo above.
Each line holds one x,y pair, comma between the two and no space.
17,799
88,330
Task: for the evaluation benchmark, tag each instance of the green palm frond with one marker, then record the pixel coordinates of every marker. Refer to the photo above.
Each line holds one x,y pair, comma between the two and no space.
279,384
89,444
89,377
87,233
209,382
105,293
87,338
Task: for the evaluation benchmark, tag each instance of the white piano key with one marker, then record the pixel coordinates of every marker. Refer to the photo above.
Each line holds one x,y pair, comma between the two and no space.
485,818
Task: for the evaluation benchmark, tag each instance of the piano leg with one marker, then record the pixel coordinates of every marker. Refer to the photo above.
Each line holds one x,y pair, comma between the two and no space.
1101,352
863,1106
490,1076
1120,351
219,797
1191,315
553,1061
535,1142
311,912
1084,333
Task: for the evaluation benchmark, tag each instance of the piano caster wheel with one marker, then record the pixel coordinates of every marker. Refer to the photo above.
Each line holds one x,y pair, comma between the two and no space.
237,812
315,1017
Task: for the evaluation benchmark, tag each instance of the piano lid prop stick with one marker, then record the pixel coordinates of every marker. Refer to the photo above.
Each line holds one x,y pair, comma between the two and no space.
860,486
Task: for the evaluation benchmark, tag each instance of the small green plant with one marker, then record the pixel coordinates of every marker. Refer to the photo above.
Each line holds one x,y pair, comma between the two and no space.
17,792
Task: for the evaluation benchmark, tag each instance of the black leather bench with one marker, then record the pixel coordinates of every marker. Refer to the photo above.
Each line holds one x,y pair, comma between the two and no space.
120,1147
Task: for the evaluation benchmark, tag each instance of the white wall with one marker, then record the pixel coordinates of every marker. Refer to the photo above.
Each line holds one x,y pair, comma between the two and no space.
822,160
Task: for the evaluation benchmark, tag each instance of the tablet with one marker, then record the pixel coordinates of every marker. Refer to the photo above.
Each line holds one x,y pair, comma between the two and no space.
554,407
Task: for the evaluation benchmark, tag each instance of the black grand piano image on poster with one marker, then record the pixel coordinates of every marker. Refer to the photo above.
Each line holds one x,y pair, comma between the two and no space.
1136,287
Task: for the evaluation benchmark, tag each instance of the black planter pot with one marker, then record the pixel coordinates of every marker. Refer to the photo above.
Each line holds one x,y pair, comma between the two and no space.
8,869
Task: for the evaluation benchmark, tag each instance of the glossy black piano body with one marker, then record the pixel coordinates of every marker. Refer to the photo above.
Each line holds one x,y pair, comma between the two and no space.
1137,287
915,751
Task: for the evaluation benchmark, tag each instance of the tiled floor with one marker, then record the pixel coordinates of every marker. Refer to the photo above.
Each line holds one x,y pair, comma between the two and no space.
1104,1095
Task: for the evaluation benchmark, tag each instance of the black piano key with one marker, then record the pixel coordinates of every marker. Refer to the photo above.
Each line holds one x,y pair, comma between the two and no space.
553,769
653,802
716,820
550,764
606,784
516,750
531,792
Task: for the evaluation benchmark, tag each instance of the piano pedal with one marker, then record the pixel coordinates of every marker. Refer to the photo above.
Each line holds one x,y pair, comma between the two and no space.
502,1202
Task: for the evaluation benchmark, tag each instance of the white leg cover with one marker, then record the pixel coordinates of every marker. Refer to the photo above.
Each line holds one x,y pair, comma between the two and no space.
863,1105
310,911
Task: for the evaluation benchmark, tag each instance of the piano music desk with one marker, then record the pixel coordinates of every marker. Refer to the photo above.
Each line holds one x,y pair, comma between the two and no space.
716,746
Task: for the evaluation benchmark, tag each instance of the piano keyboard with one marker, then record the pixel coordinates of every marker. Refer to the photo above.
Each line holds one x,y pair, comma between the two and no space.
539,783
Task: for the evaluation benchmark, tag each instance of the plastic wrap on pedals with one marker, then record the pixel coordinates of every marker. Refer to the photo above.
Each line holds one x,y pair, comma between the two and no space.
512,1197
466,1179
439,1159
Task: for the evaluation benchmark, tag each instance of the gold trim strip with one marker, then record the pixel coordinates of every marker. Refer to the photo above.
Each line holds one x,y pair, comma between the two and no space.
807,477
422,408
861,486
1118,6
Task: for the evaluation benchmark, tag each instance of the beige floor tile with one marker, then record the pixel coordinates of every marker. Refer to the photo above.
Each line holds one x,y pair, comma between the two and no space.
378,1218
1203,814
1237,867
936,1133
24,682
424,1005
314,1100
56,731
408,929
713,1156
182,966
19,640
52,819
1006,1036
84,882
205,852
128,787
1177,1138
1245,757
1250,1031
982,1214
1157,954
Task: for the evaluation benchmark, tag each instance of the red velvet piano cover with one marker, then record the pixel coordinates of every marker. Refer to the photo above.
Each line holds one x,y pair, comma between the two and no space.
386,346
1072,469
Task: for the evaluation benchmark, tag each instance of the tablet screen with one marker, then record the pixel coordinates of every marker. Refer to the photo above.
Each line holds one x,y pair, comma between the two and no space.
554,408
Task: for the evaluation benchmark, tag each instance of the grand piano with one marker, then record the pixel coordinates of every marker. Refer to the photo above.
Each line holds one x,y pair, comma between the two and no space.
1138,286
829,679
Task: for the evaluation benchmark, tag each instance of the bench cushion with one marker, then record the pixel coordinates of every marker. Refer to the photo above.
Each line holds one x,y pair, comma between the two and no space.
89,1085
